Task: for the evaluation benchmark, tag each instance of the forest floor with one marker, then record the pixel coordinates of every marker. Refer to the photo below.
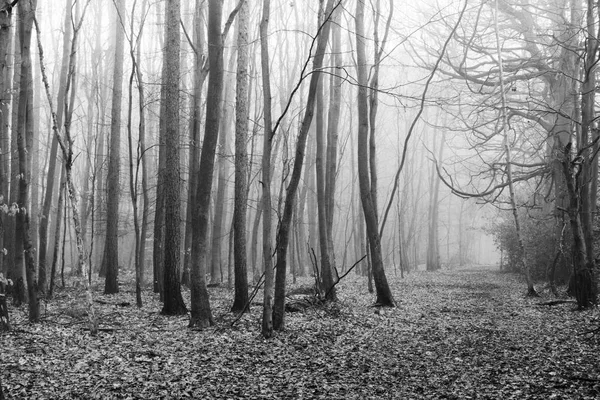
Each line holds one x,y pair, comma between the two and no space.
456,334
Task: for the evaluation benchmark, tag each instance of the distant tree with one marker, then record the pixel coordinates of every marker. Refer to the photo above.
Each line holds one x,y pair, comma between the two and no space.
111,247
433,245
173,301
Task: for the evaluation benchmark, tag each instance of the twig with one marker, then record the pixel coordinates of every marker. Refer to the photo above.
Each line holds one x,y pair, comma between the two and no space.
247,305
346,273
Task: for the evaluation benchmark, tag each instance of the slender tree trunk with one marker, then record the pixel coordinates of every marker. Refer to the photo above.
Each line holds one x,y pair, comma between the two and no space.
320,161
588,144
158,253
59,217
241,164
267,316
433,249
66,145
25,136
111,247
220,214
284,227
173,301
384,294
332,135
143,159
6,33
201,312
194,171
505,128
13,238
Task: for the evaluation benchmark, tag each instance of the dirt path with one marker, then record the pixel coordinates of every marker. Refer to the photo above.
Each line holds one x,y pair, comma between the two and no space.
455,335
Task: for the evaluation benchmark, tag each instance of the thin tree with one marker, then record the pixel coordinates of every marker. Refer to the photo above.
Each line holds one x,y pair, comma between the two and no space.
241,164
111,247
200,73
327,281
66,145
384,294
267,317
25,133
505,129
283,233
6,12
200,305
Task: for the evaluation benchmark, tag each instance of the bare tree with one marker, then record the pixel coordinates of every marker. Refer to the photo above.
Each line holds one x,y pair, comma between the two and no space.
283,232
384,294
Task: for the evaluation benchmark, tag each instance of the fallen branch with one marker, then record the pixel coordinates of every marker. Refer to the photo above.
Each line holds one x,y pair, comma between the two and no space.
555,302
346,273
247,305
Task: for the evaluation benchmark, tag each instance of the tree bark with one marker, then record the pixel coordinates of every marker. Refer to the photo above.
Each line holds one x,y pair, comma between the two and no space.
267,316
5,88
322,203
365,174
111,247
173,300
25,136
201,312
241,164
200,73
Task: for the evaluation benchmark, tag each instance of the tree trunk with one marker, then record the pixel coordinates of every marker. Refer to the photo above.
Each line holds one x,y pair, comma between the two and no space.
583,282
201,312
25,136
173,301
13,235
111,247
433,248
241,164
267,316
322,203
66,145
505,129
284,227
588,145
194,170
5,88
220,210
365,174
158,251
332,135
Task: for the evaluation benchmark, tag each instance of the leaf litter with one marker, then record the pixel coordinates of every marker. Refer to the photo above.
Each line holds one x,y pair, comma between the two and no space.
456,334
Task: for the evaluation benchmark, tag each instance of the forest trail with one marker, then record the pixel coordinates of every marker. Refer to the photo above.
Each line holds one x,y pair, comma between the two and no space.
456,334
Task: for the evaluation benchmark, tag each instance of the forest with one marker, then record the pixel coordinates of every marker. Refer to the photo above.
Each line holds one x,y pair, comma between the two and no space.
299,199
